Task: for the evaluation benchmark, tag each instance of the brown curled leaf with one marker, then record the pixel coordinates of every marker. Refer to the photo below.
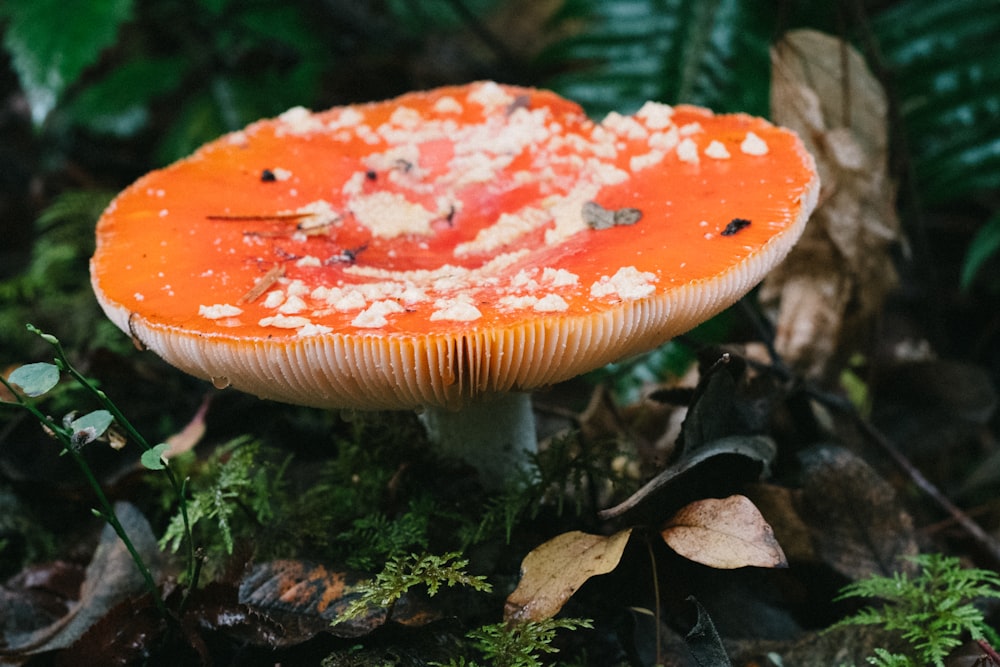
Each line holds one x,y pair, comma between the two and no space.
552,572
725,533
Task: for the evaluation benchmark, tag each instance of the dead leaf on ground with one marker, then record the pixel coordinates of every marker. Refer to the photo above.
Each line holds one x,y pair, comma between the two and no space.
838,275
111,577
836,646
192,433
125,635
38,596
858,526
931,406
305,598
725,533
727,461
780,505
552,572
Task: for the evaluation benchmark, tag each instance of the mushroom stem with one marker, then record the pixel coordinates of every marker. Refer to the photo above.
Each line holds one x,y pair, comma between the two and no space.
495,435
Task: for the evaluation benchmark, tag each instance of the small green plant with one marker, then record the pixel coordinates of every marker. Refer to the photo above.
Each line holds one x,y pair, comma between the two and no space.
932,610
400,574
376,537
568,471
33,381
234,495
517,644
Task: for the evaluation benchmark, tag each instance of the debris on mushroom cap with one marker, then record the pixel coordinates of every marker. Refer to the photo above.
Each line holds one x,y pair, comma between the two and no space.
446,244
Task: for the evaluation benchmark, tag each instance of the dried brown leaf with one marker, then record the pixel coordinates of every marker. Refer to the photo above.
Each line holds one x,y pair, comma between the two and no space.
38,596
192,433
858,525
123,636
111,577
716,464
725,533
552,572
779,505
839,274
305,598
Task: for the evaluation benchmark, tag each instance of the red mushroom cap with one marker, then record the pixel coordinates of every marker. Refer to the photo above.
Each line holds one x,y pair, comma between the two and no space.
446,244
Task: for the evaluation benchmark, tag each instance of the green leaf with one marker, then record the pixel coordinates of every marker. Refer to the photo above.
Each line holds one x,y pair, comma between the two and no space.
230,103
282,24
196,122
985,244
418,18
118,104
91,426
710,53
946,76
153,459
51,42
35,379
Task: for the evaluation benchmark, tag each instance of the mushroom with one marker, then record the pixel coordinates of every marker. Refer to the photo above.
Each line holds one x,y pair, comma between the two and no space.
448,250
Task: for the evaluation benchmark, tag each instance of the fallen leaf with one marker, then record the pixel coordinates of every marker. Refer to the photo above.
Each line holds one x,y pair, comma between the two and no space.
726,402
192,433
305,598
38,596
725,533
838,275
111,577
553,571
704,640
125,635
931,406
716,465
216,606
858,526
780,505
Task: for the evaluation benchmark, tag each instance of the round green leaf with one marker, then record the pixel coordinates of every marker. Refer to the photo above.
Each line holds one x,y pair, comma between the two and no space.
91,426
152,459
51,42
35,379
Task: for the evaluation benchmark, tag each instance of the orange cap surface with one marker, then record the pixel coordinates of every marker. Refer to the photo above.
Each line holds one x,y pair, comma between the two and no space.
446,244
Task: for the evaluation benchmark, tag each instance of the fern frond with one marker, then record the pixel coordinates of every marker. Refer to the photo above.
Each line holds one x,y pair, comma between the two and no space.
710,53
946,75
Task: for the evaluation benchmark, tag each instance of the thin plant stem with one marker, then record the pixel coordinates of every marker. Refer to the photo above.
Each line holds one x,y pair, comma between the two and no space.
62,361
656,599
106,511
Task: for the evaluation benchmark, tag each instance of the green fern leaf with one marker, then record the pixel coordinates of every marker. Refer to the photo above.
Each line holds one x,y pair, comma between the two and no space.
944,69
709,53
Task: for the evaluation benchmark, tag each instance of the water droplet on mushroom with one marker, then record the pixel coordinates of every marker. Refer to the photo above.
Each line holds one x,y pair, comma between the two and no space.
220,382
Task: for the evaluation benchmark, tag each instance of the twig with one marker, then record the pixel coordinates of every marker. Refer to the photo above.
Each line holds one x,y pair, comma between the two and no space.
838,403
985,540
656,599
989,651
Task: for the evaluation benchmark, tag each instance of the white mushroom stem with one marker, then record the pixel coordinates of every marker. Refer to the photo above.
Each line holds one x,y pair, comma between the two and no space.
495,435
